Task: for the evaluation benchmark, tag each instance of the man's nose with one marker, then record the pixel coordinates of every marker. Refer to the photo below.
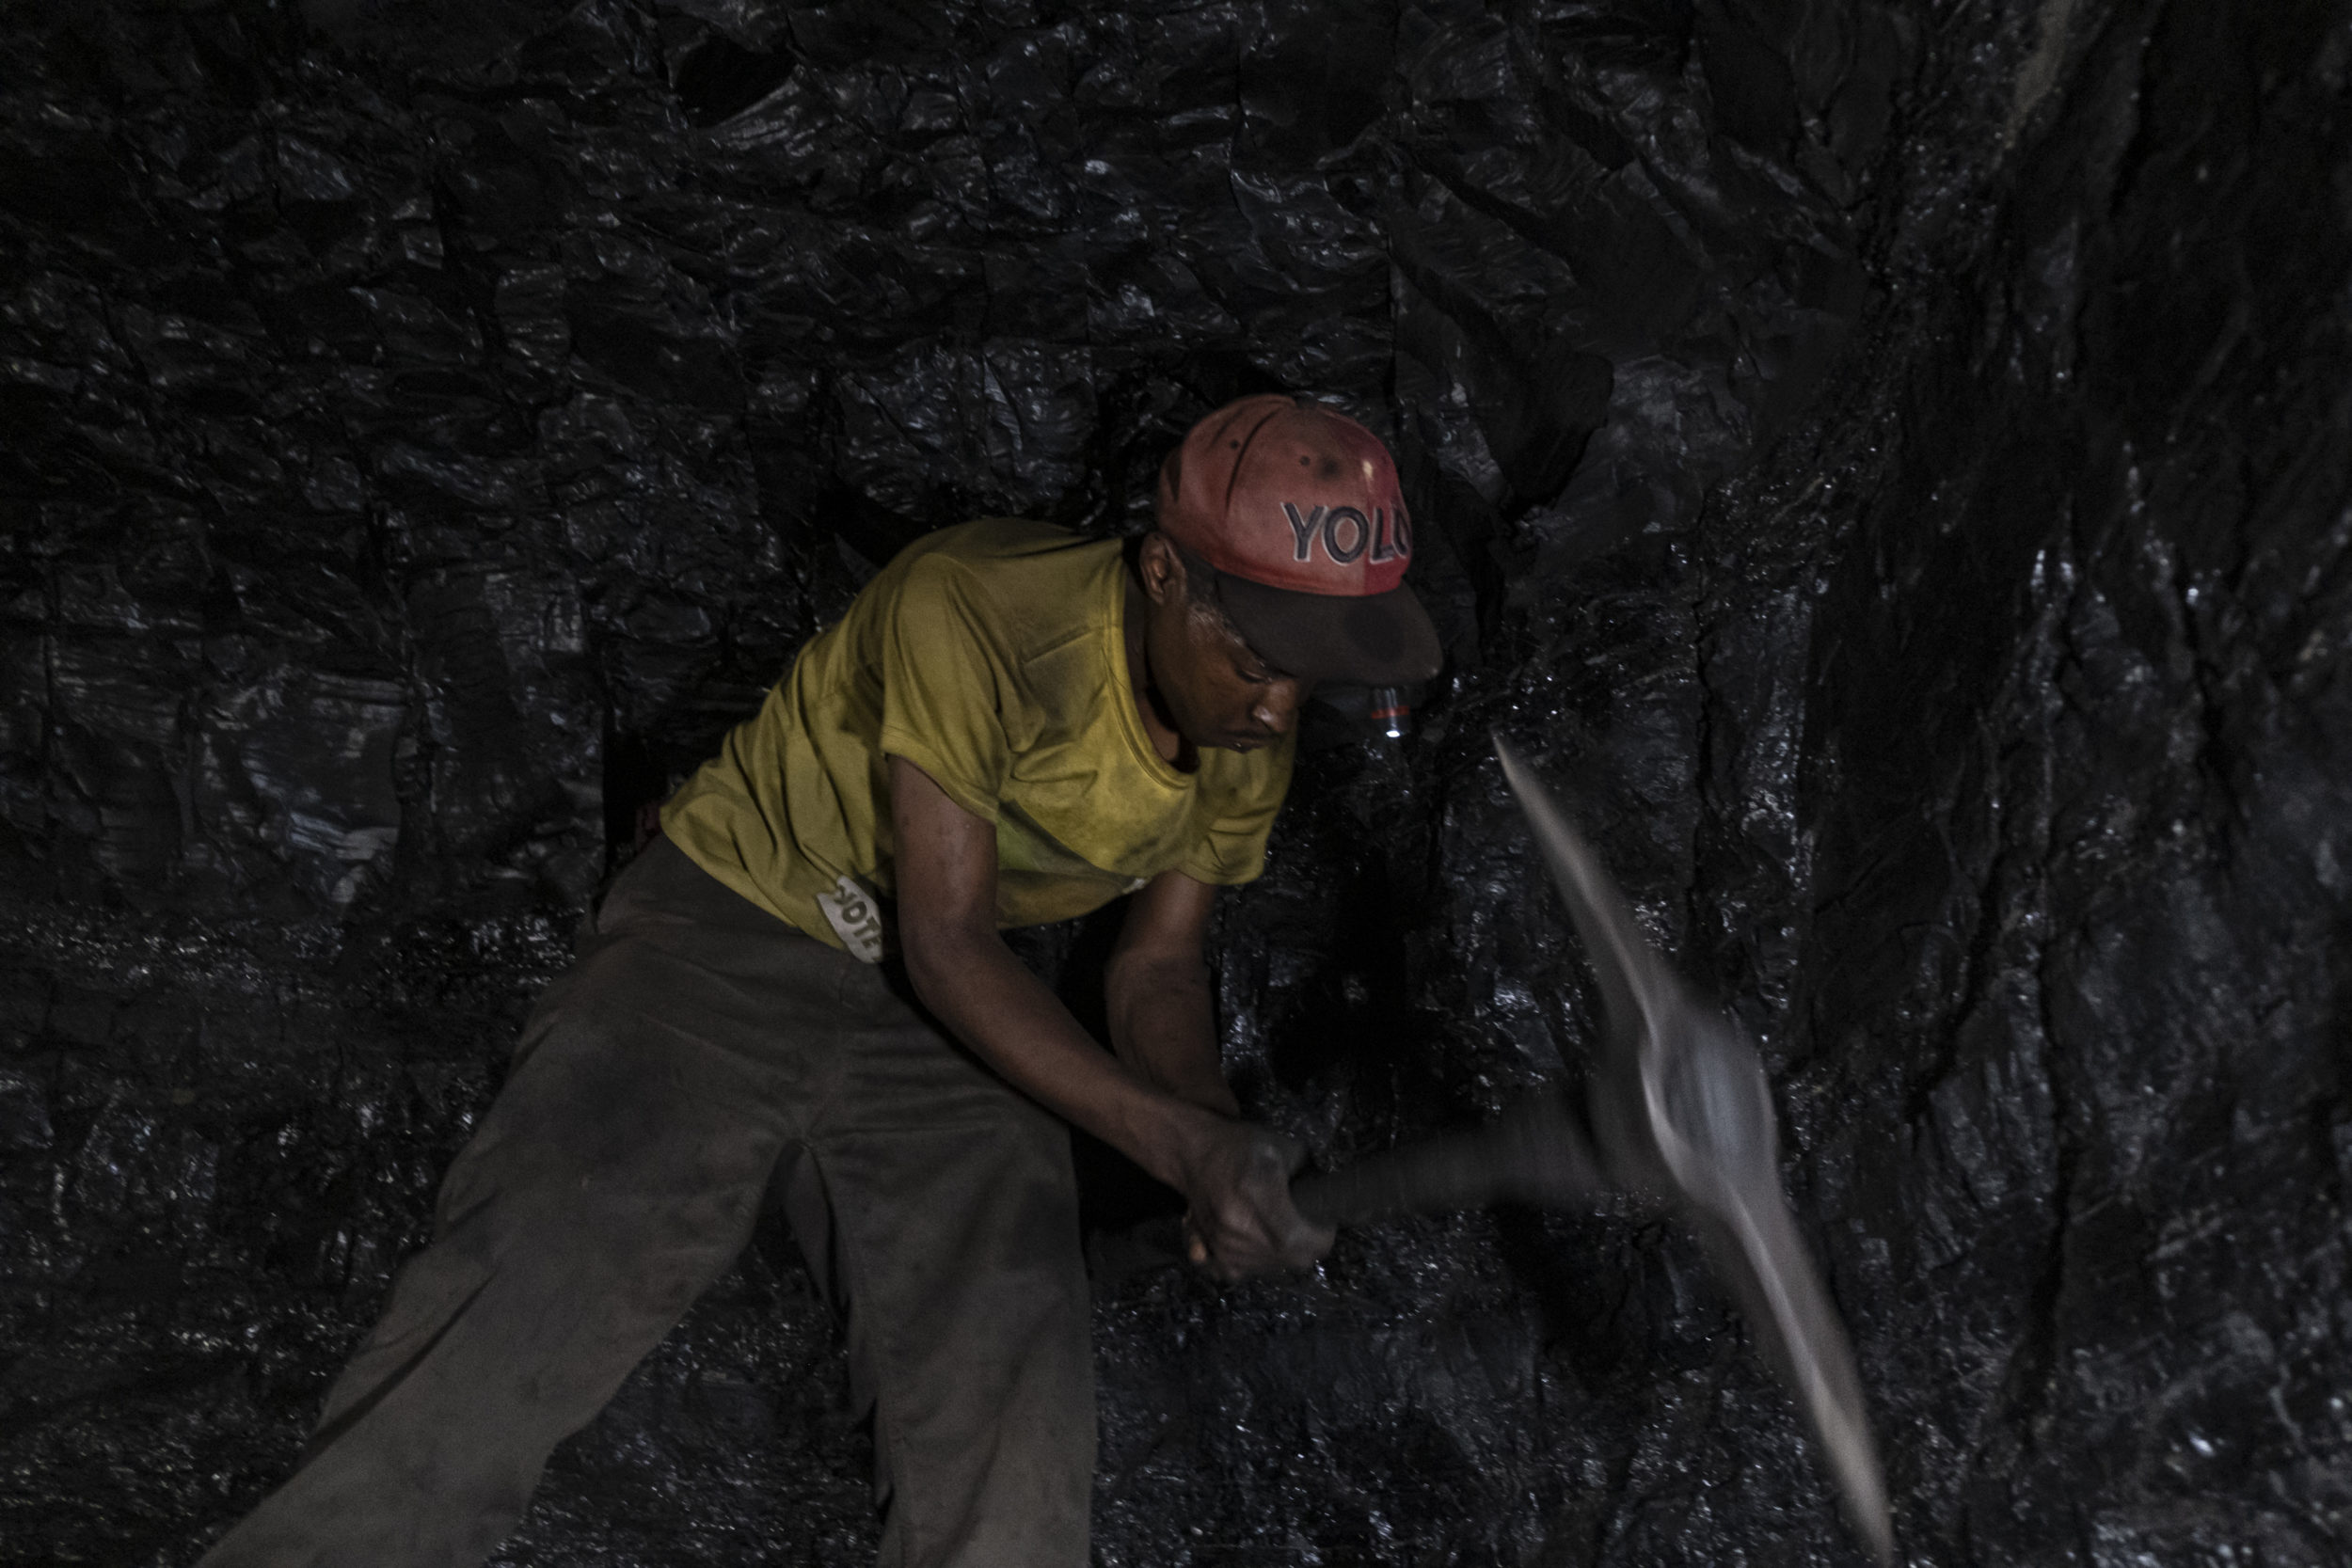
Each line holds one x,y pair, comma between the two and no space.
1278,707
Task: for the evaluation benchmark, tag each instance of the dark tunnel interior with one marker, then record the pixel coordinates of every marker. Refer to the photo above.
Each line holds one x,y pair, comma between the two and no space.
1887,462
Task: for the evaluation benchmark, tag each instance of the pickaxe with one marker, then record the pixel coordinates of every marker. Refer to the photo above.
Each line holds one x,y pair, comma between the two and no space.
1680,1111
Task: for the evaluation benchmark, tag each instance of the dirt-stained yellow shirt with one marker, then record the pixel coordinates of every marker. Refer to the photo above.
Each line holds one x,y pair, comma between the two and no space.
993,657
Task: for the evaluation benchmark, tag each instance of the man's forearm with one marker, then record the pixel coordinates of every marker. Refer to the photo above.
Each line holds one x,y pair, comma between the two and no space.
975,986
1235,1177
1164,1026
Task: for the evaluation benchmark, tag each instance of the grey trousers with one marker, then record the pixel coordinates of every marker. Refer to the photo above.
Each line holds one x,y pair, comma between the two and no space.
698,1040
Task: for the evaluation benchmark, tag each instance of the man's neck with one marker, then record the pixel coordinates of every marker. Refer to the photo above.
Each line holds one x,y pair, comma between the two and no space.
1166,739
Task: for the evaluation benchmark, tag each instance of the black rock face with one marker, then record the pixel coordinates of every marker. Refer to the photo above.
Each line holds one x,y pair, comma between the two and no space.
1888,464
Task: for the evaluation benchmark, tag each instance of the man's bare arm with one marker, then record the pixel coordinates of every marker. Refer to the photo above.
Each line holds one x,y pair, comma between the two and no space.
1234,1176
1163,1021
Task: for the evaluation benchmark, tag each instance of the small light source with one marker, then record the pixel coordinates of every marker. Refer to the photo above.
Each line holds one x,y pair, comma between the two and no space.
1391,712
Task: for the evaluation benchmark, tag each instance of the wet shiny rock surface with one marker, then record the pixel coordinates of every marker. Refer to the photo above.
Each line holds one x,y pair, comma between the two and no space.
1888,464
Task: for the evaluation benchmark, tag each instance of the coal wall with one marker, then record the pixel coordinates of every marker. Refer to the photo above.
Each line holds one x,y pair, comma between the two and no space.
1889,463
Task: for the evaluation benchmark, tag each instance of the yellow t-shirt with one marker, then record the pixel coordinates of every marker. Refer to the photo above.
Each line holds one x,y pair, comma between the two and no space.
992,656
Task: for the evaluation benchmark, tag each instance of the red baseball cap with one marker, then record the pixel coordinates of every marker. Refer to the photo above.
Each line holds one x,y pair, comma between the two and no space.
1297,509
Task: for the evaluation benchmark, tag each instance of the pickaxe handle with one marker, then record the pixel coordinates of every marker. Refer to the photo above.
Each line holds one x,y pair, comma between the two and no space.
1536,1153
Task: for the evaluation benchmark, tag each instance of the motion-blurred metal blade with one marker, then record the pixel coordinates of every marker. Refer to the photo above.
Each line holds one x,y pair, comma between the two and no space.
1681,1107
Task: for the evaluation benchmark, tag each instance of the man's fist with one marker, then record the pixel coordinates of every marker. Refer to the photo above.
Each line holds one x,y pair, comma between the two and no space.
1239,1219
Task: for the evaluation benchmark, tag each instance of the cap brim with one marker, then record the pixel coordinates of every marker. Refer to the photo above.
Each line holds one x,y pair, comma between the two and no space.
1371,639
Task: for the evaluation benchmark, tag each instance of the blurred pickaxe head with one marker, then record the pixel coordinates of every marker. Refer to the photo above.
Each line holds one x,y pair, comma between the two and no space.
1680,1108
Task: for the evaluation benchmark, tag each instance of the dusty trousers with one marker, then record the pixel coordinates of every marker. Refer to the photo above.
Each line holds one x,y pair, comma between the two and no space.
698,1041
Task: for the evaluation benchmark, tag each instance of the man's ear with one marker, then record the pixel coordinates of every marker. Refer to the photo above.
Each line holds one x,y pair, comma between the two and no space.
1161,568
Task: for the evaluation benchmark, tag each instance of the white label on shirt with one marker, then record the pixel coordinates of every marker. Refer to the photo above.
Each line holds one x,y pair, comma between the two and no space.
856,920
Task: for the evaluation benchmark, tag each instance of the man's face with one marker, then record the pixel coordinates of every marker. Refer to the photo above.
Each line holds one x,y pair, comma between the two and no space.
1215,691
